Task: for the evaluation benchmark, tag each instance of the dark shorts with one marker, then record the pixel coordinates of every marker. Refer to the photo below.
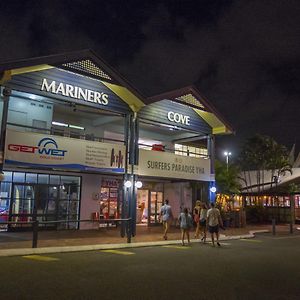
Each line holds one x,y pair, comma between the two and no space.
213,229
203,223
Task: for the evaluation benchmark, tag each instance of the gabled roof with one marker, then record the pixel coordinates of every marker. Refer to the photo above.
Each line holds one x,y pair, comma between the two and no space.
84,62
191,96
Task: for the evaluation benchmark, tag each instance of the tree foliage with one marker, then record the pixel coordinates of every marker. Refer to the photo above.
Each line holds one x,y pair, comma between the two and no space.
227,179
260,154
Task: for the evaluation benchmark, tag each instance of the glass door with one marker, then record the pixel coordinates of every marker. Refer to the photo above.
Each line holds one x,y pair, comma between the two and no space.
142,206
68,205
22,205
155,204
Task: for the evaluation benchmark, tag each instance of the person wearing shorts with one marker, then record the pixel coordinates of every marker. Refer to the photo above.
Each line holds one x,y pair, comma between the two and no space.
166,215
203,217
213,222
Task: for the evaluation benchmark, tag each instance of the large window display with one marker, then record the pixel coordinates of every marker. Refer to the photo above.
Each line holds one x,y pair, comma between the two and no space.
25,197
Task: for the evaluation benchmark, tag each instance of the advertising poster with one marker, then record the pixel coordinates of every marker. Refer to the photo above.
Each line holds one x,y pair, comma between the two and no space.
42,150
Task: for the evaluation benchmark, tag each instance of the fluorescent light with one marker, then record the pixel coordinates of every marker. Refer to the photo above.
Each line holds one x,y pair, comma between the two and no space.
59,124
76,127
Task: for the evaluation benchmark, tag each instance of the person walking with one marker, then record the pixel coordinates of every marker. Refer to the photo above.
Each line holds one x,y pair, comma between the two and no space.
214,220
196,214
166,215
202,222
186,223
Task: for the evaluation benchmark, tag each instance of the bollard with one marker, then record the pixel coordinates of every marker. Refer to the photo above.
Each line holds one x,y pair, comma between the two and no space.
35,227
273,227
291,227
128,229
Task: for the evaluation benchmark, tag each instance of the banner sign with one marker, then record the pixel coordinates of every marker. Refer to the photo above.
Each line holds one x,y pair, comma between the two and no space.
164,164
42,150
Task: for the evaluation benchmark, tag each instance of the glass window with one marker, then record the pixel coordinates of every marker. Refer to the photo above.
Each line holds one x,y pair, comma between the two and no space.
5,190
70,179
1,106
19,177
31,178
43,178
7,176
54,179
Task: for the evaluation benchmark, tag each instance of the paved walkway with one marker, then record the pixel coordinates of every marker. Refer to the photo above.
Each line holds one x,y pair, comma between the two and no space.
20,243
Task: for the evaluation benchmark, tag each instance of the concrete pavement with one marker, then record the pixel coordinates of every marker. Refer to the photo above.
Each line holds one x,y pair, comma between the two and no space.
19,243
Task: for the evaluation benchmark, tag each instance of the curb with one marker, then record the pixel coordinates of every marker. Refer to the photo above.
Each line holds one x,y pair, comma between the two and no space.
64,249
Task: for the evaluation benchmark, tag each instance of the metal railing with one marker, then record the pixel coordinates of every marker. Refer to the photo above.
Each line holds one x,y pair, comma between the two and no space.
126,223
66,133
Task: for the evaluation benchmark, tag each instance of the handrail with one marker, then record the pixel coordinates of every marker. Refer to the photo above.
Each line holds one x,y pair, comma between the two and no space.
35,226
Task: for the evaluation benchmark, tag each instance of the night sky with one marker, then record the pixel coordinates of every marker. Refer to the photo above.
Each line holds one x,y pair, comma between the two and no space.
242,55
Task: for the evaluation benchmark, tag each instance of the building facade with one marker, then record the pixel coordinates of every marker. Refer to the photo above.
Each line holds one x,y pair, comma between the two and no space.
73,132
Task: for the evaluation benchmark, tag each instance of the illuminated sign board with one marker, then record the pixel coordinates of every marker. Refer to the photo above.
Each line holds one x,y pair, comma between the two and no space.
75,92
178,118
39,150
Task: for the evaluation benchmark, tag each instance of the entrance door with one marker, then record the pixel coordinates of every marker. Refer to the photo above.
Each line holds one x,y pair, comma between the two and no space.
22,205
155,204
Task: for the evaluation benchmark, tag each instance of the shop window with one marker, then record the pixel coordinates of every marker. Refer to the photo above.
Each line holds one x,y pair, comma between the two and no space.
190,151
31,178
18,177
70,179
7,176
54,179
43,178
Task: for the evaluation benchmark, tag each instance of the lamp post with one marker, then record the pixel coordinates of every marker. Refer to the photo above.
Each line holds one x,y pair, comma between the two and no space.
227,154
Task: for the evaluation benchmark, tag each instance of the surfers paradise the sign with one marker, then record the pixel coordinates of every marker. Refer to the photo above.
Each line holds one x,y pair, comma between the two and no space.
38,150
173,166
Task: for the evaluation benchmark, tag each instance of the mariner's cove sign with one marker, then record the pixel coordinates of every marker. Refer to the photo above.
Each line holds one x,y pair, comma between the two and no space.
178,118
48,151
73,91
164,164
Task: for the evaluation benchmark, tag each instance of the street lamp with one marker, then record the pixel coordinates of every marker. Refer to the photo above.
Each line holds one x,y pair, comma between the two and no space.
227,154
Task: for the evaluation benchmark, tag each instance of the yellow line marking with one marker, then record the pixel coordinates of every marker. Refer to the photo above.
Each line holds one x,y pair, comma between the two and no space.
177,247
40,257
249,240
118,252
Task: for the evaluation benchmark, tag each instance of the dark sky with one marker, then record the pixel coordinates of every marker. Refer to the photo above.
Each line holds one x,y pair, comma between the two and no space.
243,55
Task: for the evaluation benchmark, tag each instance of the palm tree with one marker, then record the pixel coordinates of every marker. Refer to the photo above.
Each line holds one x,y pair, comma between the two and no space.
227,179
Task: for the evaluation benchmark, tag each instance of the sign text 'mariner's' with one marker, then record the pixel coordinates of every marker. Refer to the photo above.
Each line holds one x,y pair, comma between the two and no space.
74,92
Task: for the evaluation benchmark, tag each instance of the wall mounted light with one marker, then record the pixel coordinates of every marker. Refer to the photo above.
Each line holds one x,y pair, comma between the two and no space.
128,184
138,184
213,189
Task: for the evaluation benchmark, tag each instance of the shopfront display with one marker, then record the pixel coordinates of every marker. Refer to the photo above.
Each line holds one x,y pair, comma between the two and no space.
109,198
30,196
